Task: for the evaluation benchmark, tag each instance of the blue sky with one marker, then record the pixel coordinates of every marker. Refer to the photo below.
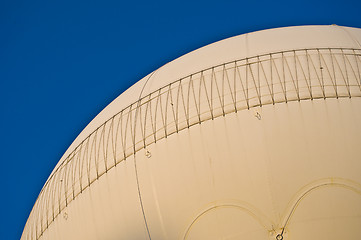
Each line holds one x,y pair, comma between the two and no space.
62,62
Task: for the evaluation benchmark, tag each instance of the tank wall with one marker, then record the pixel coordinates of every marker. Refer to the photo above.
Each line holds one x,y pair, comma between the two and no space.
108,209
296,166
267,141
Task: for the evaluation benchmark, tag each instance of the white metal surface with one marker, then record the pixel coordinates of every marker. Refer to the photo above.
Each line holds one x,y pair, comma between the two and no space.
251,137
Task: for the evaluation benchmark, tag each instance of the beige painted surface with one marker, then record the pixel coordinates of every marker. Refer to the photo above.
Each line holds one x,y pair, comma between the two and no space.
247,138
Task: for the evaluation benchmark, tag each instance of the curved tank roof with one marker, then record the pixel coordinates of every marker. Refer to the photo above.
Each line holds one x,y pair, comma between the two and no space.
257,69
231,49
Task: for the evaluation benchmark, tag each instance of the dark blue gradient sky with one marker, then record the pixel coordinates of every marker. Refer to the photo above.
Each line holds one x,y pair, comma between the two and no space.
62,62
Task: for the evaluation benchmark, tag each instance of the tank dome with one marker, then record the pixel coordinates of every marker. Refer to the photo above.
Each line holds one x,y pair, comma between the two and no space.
256,136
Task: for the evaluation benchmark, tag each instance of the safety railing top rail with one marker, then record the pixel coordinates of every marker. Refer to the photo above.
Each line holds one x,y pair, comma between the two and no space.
271,78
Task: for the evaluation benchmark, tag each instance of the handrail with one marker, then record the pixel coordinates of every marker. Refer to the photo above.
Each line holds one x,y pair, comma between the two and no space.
284,76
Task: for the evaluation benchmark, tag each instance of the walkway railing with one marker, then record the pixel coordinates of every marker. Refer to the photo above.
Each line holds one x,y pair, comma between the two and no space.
279,77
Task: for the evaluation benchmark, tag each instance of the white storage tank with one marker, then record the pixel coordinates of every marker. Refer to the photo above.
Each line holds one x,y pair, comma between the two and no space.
254,137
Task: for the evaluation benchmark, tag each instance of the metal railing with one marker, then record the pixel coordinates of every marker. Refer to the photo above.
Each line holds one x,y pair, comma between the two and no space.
272,78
